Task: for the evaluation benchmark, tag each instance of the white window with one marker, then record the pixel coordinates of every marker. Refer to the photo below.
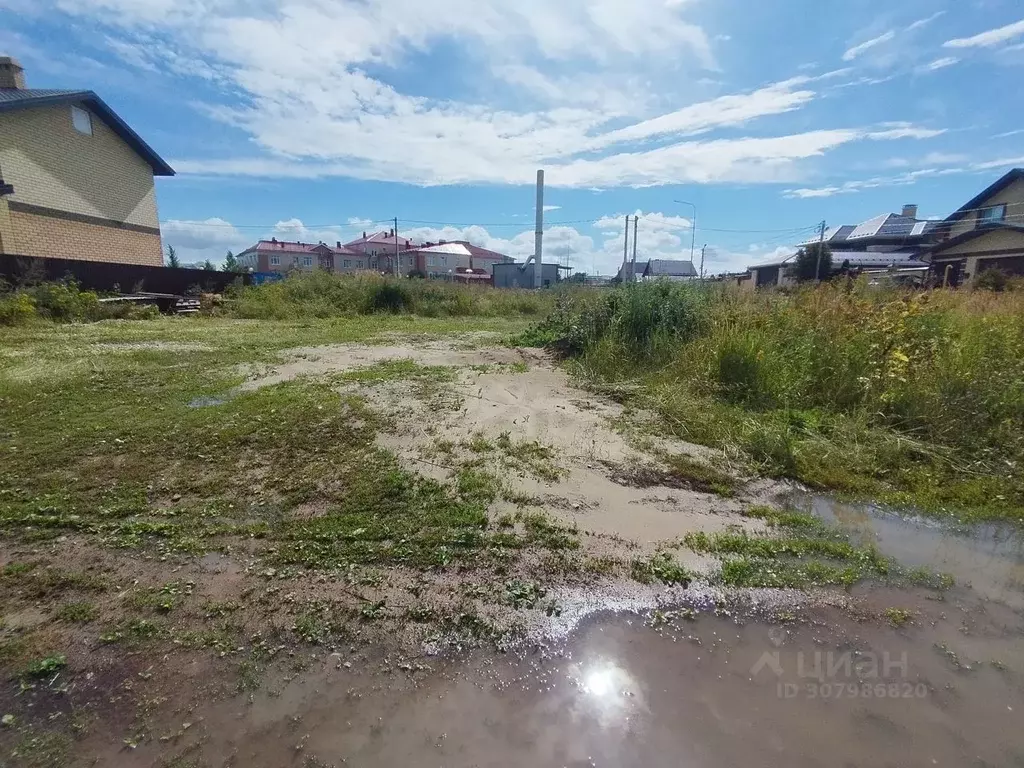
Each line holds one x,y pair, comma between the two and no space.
307,261
348,263
82,120
275,261
993,214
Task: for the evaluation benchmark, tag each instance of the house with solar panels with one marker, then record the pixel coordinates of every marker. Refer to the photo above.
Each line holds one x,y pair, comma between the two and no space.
76,182
890,241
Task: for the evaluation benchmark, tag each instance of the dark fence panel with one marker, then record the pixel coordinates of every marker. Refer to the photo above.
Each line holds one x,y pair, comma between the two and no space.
122,278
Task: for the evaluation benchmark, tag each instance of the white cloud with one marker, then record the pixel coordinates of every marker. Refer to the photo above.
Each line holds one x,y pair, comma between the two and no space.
1007,134
857,50
559,84
932,66
927,20
911,177
990,38
197,241
552,208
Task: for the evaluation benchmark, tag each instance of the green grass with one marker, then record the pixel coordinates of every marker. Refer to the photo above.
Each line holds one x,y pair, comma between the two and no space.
660,567
911,399
77,613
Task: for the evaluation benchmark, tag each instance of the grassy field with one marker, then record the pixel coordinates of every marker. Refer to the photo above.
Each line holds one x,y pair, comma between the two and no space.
913,399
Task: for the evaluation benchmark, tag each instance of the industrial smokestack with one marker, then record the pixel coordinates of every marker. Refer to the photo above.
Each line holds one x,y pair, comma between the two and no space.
538,246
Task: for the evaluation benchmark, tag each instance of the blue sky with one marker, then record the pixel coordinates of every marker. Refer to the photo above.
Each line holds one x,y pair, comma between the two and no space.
314,119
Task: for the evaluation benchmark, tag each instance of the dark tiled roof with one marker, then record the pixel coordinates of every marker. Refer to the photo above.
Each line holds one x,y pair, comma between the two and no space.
12,99
996,186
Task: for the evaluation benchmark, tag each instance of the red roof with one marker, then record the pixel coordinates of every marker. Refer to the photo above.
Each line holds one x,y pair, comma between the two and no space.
483,253
381,238
283,246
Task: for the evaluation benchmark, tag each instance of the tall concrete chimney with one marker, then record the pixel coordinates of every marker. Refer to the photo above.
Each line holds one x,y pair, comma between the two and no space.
538,243
12,76
910,211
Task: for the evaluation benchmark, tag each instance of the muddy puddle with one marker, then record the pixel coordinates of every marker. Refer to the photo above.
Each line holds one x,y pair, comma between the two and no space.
943,690
987,557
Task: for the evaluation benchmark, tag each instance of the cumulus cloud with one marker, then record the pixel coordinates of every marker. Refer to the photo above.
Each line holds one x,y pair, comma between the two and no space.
989,38
197,241
319,112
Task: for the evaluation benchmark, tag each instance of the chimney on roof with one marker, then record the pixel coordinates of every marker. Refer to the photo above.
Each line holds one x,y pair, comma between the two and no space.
910,210
339,244
391,233
441,242
12,75
408,244
273,239
364,234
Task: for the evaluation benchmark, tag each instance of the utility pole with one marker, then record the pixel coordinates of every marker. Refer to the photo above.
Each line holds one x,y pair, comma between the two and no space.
632,269
821,247
702,250
398,269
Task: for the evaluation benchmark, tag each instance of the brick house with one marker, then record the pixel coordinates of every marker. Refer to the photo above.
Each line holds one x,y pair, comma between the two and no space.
379,250
76,182
282,256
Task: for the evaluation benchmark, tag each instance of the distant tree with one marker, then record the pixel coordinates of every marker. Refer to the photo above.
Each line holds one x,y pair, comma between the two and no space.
579,277
806,263
209,266
172,258
231,263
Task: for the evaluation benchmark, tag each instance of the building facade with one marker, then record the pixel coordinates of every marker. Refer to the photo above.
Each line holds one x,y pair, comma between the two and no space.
987,232
78,182
282,256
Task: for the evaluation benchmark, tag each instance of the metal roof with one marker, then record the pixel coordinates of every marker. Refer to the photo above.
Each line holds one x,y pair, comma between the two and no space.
12,99
452,249
669,268
283,246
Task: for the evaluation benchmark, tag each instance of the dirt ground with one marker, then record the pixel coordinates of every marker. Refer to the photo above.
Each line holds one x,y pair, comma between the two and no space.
604,670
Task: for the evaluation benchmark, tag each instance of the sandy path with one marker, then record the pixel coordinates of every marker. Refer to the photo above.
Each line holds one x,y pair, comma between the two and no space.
541,404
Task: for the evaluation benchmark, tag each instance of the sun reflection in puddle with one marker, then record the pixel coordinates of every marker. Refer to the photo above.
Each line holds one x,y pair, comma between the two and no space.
609,693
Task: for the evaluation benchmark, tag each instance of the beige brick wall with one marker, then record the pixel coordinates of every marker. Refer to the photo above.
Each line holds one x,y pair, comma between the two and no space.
36,235
1012,197
51,164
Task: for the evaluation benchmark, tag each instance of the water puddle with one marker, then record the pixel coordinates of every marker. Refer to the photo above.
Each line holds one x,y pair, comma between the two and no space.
987,557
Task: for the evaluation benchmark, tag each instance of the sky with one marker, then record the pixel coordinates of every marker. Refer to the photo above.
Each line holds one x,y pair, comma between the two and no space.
320,119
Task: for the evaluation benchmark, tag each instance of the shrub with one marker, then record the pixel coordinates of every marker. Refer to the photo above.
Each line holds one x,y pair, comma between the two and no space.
16,309
991,280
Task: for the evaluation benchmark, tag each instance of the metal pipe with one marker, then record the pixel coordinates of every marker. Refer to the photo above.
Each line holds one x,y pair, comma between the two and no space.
693,226
538,243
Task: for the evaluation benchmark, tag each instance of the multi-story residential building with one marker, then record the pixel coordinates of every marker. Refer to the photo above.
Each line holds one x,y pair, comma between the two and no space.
380,249
76,182
282,256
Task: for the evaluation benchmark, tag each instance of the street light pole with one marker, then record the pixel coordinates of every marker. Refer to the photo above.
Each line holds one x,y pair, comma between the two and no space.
693,225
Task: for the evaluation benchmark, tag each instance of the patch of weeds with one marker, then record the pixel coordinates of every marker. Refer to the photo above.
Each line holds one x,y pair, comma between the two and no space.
17,569
47,749
77,613
698,476
801,551
420,614
371,611
754,572
505,520
898,616
545,533
133,631
659,567
925,577
45,667
248,675
523,594
479,444
311,627
218,610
